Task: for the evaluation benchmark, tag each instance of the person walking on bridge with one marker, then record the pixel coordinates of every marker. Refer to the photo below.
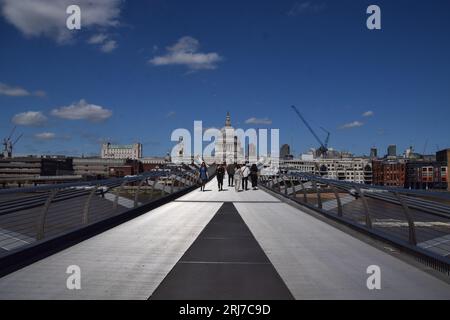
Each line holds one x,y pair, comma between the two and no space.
231,168
203,176
254,176
220,173
245,174
237,178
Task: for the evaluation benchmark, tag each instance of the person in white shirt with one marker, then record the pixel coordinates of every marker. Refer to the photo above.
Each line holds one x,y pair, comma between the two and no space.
237,178
245,174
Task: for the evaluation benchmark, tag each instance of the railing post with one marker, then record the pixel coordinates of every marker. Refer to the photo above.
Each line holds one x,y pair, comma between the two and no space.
338,200
291,181
136,195
153,188
86,205
183,179
305,195
412,228
40,228
172,185
285,186
319,198
366,207
116,198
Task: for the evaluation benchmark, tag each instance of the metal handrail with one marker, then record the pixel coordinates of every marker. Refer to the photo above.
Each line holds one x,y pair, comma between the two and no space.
374,215
31,214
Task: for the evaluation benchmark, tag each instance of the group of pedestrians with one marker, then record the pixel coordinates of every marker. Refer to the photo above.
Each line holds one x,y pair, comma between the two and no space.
238,176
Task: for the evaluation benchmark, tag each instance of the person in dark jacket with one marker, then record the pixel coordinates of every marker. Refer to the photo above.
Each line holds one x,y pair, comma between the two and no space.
231,169
220,173
254,176
203,176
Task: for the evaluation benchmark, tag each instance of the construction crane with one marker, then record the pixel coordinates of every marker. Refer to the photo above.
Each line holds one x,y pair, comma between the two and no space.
425,147
323,149
8,144
327,139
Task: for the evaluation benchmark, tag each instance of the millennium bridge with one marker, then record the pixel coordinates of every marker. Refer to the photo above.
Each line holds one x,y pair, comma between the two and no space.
157,236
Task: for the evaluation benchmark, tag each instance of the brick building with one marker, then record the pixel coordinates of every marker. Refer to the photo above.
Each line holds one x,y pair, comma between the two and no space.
426,175
391,173
443,157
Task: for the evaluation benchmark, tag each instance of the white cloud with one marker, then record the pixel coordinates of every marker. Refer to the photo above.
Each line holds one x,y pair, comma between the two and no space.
368,114
353,124
45,136
47,18
254,120
39,93
12,91
305,7
29,118
185,52
82,111
97,38
106,44
109,46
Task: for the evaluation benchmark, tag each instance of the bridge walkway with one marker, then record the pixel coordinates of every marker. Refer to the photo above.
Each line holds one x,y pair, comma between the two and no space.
146,257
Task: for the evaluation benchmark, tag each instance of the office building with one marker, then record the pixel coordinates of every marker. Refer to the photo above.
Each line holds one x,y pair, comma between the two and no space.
357,170
114,151
285,152
392,151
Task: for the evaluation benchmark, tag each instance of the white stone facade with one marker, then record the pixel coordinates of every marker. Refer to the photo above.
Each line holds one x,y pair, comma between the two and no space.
113,151
357,170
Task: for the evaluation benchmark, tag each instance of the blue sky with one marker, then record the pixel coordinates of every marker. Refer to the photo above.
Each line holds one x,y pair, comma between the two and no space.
137,70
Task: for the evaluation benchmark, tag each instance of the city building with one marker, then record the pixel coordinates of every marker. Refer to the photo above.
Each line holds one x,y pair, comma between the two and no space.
35,166
130,168
426,175
114,151
392,151
357,170
252,155
443,157
373,153
285,152
228,147
389,172
149,164
101,168
413,171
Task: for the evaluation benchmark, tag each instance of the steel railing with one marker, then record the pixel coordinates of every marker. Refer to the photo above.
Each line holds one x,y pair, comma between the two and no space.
416,220
35,214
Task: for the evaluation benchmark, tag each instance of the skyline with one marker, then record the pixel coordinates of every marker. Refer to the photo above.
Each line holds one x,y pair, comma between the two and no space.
137,71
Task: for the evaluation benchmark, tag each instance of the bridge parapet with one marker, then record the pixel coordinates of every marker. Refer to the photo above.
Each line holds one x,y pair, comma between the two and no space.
29,216
416,221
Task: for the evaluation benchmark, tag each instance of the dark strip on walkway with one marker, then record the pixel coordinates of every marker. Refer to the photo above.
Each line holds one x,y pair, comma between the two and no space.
224,262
